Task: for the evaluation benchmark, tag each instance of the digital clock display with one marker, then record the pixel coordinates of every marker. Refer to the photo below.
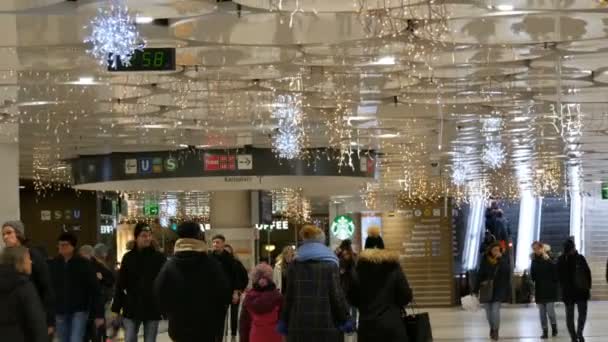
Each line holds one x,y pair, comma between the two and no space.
150,59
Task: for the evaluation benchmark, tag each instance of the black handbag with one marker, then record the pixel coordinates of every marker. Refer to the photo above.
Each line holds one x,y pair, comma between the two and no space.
417,326
486,291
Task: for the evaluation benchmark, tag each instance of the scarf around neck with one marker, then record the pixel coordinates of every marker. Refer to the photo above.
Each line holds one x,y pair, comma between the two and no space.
316,251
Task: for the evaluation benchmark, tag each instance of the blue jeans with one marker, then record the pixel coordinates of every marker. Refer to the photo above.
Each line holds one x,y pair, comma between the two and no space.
544,310
71,328
493,314
132,329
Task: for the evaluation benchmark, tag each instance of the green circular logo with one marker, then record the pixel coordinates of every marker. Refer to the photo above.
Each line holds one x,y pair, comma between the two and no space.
343,227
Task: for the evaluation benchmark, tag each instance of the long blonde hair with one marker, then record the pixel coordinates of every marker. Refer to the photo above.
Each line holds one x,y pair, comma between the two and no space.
282,257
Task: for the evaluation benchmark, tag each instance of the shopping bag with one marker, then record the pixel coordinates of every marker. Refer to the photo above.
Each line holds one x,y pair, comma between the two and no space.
418,326
470,303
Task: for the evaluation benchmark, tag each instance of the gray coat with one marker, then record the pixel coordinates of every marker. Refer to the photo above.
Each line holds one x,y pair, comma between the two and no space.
315,305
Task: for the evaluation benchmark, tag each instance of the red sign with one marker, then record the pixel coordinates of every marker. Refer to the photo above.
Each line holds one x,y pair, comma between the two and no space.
220,162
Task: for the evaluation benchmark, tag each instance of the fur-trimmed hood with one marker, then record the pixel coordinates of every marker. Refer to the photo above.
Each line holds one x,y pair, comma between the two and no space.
379,256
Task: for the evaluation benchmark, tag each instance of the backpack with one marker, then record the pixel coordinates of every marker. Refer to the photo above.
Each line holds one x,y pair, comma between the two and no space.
581,279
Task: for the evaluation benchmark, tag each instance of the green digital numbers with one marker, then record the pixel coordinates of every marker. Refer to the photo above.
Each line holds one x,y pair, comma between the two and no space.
147,59
159,59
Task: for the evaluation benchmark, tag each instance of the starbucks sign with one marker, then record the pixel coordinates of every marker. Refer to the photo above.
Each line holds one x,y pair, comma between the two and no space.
343,227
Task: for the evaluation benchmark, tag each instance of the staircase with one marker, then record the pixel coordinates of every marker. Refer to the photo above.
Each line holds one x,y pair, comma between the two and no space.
555,223
596,244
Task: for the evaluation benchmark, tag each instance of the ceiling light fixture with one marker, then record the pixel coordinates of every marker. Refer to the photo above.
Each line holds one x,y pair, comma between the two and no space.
288,138
86,80
114,36
143,20
387,60
493,155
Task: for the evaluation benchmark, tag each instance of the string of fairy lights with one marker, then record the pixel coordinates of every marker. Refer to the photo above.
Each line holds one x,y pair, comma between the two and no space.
317,99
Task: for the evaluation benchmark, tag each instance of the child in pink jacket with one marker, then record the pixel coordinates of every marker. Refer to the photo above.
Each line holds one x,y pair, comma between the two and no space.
261,308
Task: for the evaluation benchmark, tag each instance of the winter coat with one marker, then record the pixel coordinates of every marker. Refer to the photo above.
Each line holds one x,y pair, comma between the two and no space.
134,293
260,315
500,273
232,270
379,290
192,293
41,278
315,305
107,280
76,287
347,270
567,269
22,317
546,282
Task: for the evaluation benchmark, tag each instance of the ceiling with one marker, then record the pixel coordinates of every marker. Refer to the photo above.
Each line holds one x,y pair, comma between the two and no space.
413,79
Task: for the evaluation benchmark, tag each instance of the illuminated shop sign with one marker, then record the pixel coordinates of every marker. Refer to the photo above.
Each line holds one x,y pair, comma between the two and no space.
276,225
343,227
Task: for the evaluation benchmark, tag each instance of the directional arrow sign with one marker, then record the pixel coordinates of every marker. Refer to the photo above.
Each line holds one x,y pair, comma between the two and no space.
245,161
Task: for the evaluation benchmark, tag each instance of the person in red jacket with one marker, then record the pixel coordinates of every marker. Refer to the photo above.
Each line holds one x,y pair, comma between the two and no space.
261,308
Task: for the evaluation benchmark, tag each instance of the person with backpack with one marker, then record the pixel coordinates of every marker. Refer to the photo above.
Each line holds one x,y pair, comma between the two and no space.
575,280
544,275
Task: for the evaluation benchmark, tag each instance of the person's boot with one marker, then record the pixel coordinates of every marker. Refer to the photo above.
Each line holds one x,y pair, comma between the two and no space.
581,338
554,330
545,334
494,335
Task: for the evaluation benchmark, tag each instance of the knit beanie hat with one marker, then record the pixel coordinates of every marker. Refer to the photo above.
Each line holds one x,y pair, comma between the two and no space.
261,275
18,227
190,230
141,227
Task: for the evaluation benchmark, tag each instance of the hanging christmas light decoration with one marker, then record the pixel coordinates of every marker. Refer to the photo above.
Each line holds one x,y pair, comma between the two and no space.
114,35
493,155
459,174
492,125
288,138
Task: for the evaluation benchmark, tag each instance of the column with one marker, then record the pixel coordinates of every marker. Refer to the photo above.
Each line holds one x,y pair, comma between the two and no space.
9,172
231,217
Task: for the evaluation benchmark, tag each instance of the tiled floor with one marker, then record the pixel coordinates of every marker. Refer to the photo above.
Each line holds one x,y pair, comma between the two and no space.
518,324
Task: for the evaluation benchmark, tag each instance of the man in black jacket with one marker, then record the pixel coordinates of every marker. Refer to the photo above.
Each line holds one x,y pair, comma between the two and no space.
134,295
77,291
13,236
192,289
232,272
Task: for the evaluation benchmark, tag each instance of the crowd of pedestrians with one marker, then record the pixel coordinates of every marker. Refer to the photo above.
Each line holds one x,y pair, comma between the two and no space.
313,293
569,275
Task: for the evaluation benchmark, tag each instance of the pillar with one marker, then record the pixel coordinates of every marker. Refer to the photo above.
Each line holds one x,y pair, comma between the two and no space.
9,172
231,217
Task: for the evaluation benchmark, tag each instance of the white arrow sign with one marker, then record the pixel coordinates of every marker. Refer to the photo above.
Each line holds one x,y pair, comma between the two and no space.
245,162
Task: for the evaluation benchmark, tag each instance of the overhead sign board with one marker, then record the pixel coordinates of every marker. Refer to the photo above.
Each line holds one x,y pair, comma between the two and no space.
150,59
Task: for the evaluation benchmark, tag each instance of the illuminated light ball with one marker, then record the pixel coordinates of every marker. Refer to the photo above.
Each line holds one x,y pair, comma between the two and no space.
114,36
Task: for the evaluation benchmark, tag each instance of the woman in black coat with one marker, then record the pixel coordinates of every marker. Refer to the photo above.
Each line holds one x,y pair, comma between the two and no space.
22,317
494,266
575,280
544,275
380,291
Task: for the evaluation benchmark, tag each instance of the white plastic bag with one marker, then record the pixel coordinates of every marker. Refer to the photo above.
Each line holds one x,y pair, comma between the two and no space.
470,303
